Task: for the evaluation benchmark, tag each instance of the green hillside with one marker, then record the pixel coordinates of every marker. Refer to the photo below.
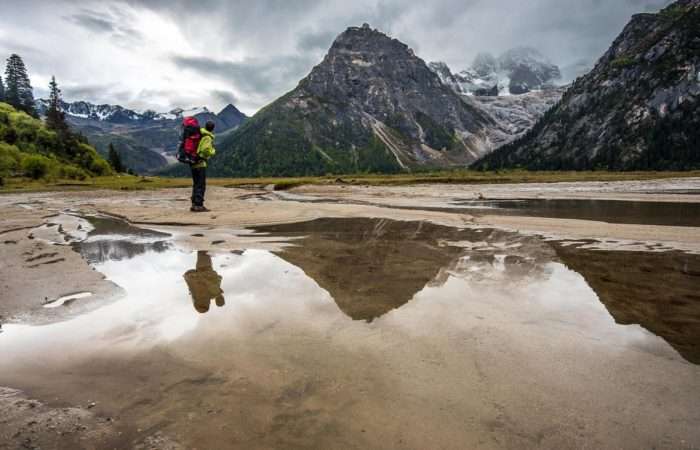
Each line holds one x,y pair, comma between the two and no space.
29,149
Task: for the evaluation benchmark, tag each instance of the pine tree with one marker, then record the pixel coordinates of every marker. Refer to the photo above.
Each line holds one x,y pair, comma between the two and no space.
114,159
18,92
2,91
55,118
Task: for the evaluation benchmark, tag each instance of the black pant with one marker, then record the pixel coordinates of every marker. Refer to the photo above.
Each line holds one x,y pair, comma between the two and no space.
199,185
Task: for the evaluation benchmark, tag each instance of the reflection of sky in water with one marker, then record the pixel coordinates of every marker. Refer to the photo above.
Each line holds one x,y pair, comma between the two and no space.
265,295
158,307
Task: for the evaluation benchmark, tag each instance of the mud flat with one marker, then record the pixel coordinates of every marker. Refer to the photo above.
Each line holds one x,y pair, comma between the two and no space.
349,317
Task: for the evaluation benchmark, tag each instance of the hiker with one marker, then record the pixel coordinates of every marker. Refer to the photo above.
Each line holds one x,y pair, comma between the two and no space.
204,284
196,147
205,150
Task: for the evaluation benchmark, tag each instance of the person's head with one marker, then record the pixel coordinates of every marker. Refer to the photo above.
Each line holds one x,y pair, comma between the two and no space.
209,126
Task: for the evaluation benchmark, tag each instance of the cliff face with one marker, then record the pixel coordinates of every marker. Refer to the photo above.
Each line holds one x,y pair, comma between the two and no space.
637,109
370,105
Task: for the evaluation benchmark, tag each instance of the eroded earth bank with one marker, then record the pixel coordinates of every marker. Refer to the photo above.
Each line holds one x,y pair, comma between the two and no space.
340,316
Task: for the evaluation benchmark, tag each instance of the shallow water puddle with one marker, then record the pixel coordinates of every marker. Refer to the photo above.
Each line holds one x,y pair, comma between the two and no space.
612,211
371,332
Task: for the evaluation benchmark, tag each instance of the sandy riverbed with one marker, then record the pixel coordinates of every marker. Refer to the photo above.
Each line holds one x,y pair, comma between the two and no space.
35,271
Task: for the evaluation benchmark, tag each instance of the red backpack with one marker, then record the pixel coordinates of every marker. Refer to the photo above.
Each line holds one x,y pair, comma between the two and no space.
190,141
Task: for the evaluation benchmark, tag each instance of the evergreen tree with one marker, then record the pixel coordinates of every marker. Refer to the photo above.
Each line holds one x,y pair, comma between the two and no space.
2,90
114,159
18,92
55,118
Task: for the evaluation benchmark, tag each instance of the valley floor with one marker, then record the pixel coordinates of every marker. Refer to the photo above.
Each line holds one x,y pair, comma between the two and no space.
506,375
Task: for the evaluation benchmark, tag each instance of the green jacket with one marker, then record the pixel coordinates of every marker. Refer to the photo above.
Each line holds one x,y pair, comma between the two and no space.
206,148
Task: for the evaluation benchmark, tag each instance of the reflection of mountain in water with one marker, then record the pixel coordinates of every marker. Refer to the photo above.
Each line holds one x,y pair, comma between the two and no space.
108,226
658,291
371,266
116,250
116,240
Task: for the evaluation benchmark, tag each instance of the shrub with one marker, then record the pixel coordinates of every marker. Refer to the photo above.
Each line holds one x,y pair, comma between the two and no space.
36,166
72,172
10,158
100,167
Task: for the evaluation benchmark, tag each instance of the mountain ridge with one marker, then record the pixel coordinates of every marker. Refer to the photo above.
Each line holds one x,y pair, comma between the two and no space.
636,110
120,115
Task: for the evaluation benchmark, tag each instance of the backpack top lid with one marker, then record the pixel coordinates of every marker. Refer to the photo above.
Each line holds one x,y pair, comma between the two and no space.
190,122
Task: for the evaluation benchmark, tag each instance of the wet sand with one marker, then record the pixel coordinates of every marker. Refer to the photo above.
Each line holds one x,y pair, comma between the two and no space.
357,321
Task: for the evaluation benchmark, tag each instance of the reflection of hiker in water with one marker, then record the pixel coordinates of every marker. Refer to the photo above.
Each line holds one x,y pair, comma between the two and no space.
204,284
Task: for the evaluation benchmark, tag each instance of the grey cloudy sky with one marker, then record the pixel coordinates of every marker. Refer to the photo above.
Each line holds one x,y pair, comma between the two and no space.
165,53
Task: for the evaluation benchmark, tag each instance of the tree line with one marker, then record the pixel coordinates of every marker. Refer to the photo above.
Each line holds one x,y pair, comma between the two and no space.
17,91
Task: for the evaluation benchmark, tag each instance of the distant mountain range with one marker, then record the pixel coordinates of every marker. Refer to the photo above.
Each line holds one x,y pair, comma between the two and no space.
637,109
146,141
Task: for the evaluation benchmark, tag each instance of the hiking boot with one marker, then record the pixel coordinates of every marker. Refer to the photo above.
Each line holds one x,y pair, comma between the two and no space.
198,209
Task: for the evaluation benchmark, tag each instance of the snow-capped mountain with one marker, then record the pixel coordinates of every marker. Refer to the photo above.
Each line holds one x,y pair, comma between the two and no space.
85,110
517,71
513,90
115,114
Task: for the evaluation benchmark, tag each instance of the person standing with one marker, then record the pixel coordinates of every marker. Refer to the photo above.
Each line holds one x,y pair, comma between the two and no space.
205,150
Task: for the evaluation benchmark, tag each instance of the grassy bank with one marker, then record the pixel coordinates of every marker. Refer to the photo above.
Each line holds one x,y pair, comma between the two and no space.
128,182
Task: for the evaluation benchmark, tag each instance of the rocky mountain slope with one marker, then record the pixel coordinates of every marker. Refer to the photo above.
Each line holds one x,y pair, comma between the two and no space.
146,141
370,105
637,109
511,114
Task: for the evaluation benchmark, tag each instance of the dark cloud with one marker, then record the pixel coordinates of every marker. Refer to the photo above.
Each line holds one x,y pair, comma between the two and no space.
258,77
86,91
315,40
224,97
115,23
9,46
93,21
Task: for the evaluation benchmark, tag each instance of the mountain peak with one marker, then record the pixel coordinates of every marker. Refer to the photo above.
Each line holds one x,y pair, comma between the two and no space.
366,39
370,105
230,108
231,116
